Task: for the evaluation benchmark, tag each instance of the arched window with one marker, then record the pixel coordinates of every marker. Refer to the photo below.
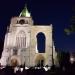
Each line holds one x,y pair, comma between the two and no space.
41,42
21,40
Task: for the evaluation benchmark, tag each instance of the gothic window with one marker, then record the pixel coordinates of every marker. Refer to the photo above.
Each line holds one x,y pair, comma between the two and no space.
21,40
41,42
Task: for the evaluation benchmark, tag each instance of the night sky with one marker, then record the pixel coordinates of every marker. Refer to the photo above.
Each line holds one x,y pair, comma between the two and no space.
45,12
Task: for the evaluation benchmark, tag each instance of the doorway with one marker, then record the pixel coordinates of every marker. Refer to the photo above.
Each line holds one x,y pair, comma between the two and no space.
40,61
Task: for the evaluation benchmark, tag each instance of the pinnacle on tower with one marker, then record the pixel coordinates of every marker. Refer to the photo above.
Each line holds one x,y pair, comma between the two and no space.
25,12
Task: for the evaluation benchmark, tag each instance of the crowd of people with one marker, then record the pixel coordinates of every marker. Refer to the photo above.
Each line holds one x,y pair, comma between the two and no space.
8,70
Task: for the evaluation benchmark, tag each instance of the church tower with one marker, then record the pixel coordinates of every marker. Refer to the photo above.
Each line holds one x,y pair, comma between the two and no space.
28,44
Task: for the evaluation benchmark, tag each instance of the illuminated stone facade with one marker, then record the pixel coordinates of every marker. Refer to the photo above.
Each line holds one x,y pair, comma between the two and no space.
21,44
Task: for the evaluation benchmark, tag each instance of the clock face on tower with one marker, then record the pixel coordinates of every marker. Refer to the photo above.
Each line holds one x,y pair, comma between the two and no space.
22,21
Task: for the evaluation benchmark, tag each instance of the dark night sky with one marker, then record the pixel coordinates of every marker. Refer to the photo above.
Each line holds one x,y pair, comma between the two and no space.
46,12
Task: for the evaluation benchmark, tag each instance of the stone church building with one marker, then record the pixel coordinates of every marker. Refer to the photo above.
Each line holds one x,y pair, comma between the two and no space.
28,44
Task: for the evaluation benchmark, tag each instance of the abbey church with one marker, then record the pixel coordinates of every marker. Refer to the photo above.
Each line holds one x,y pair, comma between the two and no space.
26,43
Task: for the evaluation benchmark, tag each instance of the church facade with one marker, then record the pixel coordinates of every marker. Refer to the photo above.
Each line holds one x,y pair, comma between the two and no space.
28,44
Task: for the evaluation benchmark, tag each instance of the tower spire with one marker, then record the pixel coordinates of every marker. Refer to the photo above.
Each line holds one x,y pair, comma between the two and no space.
25,12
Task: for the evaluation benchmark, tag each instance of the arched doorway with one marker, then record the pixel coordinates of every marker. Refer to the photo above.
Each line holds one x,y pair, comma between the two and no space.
41,42
14,61
40,60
